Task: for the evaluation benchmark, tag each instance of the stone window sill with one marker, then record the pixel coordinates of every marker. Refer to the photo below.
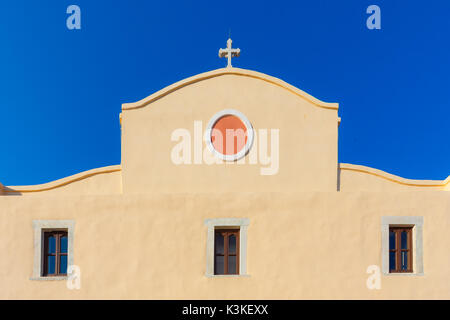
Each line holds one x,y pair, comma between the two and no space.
227,275
49,278
403,274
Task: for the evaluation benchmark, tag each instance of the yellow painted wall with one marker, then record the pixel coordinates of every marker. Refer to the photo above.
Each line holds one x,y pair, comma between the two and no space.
302,245
308,137
140,229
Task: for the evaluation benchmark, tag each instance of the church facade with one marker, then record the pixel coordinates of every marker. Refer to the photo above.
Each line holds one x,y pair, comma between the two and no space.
229,187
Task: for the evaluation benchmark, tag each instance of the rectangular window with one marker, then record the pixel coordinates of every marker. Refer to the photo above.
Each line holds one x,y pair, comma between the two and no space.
400,249
226,251
55,253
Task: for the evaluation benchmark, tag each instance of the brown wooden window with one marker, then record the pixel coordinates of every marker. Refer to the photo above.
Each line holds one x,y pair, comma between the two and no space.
55,253
400,249
226,251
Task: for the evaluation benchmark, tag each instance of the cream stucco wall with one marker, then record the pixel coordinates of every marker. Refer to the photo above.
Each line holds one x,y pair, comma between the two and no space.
307,130
300,245
314,228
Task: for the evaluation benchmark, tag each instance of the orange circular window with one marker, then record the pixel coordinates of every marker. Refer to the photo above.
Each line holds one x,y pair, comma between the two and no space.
231,135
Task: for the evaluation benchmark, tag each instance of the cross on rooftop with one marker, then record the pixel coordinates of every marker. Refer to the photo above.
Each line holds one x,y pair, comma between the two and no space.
229,52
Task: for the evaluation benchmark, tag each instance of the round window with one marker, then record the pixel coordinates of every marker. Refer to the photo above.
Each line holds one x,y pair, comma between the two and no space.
229,135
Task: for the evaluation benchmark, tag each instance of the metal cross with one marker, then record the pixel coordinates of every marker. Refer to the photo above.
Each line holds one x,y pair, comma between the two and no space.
229,52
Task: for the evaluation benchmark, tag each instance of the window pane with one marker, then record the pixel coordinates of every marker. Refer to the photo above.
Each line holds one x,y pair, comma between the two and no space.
63,264
391,260
219,243
63,244
219,264
391,240
51,264
232,264
51,244
232,244
404,260
404,239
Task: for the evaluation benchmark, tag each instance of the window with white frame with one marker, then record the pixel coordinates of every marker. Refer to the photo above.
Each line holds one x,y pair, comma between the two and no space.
402,245
226,247
53,249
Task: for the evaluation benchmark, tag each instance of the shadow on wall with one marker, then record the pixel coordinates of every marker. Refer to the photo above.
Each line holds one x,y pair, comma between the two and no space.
5,191
339,177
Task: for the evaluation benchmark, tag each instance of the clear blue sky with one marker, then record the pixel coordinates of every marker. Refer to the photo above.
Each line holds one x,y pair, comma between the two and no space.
61,91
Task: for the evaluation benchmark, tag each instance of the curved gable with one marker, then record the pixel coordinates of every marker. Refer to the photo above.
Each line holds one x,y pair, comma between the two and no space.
105,180
229,71
361,178
307,136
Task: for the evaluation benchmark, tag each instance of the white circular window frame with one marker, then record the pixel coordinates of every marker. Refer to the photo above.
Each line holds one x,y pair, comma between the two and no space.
248,127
